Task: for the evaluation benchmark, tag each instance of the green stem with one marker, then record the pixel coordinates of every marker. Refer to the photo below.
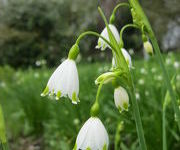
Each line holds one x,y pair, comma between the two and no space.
112,18
164,128
117,135
99,91
122,31
166,77
95,34
118,6
137,116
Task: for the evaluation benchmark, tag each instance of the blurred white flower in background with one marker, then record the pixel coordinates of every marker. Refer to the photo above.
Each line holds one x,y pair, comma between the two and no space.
76,121
176,65
2,84
147,93
92,136
143,71
159,78
137,96
168,61
153,70
41,62
36,75
141,81
101,43
131,51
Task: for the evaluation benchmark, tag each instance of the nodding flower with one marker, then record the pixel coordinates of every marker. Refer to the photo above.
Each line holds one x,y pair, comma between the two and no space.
101,43
148,47
65,80
127,58
121,99
92,136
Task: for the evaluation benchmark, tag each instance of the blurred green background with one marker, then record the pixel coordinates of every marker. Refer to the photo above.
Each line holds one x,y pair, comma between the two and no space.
32,30
35,36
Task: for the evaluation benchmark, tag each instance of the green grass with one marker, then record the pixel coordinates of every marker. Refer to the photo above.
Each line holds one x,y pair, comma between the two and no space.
50,124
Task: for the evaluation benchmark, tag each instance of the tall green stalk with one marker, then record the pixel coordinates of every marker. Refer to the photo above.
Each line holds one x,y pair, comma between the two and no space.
166,78
142,21
164,128
123,66
137,117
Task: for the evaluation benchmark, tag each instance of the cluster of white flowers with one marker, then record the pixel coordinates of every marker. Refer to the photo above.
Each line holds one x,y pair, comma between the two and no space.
65,82
103,45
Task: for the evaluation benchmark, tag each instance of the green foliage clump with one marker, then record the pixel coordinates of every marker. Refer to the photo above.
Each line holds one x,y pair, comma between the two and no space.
57,123
42,29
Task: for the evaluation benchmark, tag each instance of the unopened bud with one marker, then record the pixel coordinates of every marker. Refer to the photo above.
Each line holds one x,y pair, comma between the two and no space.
148,47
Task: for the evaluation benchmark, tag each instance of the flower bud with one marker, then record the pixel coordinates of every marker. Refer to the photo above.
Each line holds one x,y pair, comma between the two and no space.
148,47
74,51
106,77
121,99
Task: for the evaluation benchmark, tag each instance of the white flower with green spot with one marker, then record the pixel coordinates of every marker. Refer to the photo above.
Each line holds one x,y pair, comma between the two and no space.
64,81
148,47
127,58
121,99
92,136
101,43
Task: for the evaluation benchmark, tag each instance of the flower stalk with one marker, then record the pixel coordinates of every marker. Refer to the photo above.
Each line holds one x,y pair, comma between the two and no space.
124,66
140,19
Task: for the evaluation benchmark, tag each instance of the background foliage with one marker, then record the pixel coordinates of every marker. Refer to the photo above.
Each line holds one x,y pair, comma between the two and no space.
32,30
44,123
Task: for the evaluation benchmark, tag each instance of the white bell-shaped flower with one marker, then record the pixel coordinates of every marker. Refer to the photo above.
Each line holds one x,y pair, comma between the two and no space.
64,81
101,43
148,47
121,99
92,136
126,56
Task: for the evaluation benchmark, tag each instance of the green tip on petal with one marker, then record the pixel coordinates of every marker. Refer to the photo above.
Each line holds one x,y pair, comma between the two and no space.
120,109
51,93
45,92
125,106
99,43
58,95
88,148
74,98
104,147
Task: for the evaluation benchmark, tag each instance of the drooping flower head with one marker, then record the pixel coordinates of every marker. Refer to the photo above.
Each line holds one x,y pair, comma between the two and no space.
148,47
101,43
92,136
64,81
121,99
126,56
